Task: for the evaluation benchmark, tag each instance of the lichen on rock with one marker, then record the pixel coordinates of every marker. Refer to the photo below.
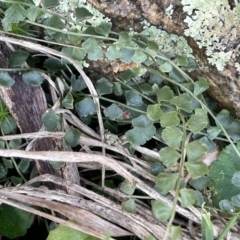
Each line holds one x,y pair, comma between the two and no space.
214,25
67,7
169,43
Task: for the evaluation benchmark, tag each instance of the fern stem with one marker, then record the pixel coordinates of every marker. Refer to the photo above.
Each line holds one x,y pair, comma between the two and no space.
182,160
228,227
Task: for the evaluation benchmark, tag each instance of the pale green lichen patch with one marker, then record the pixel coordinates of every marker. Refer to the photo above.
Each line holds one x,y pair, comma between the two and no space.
168,43
215,26
67,8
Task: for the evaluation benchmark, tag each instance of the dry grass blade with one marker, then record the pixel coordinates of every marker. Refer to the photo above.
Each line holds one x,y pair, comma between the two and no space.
142,223
84,218
119,149
138,226
34,135
85,157
69,116
46,50
48,216
84,139
49,51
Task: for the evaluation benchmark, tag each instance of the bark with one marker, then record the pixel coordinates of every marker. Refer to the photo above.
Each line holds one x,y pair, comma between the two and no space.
27,104
125,14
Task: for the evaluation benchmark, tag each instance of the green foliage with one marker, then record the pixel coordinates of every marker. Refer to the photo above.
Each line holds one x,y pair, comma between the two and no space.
3,171
187,197
235,179
112,53
33,78
128,188
76,54
165,94
63,232
200,86
169,119
133,98
166,181
231,125
129,206
143,130
6,80
156,168
67,102
154,112
139,57
55,22
8,163
15,143
50,3
113,112
199,183
50,120
104,28
172,136
82,13
197,168
103,86
57,165
127,55
182,61
161,211
198,121
7,122
207,226
176,232
183,102
137,105
169,156
127,75
199,200
72,136
24,164
92,48
18,58
222,176
166,67
33,13
196,150
13,14
85,107
53,65
226,206
10,217
150,238
77,84
16,180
